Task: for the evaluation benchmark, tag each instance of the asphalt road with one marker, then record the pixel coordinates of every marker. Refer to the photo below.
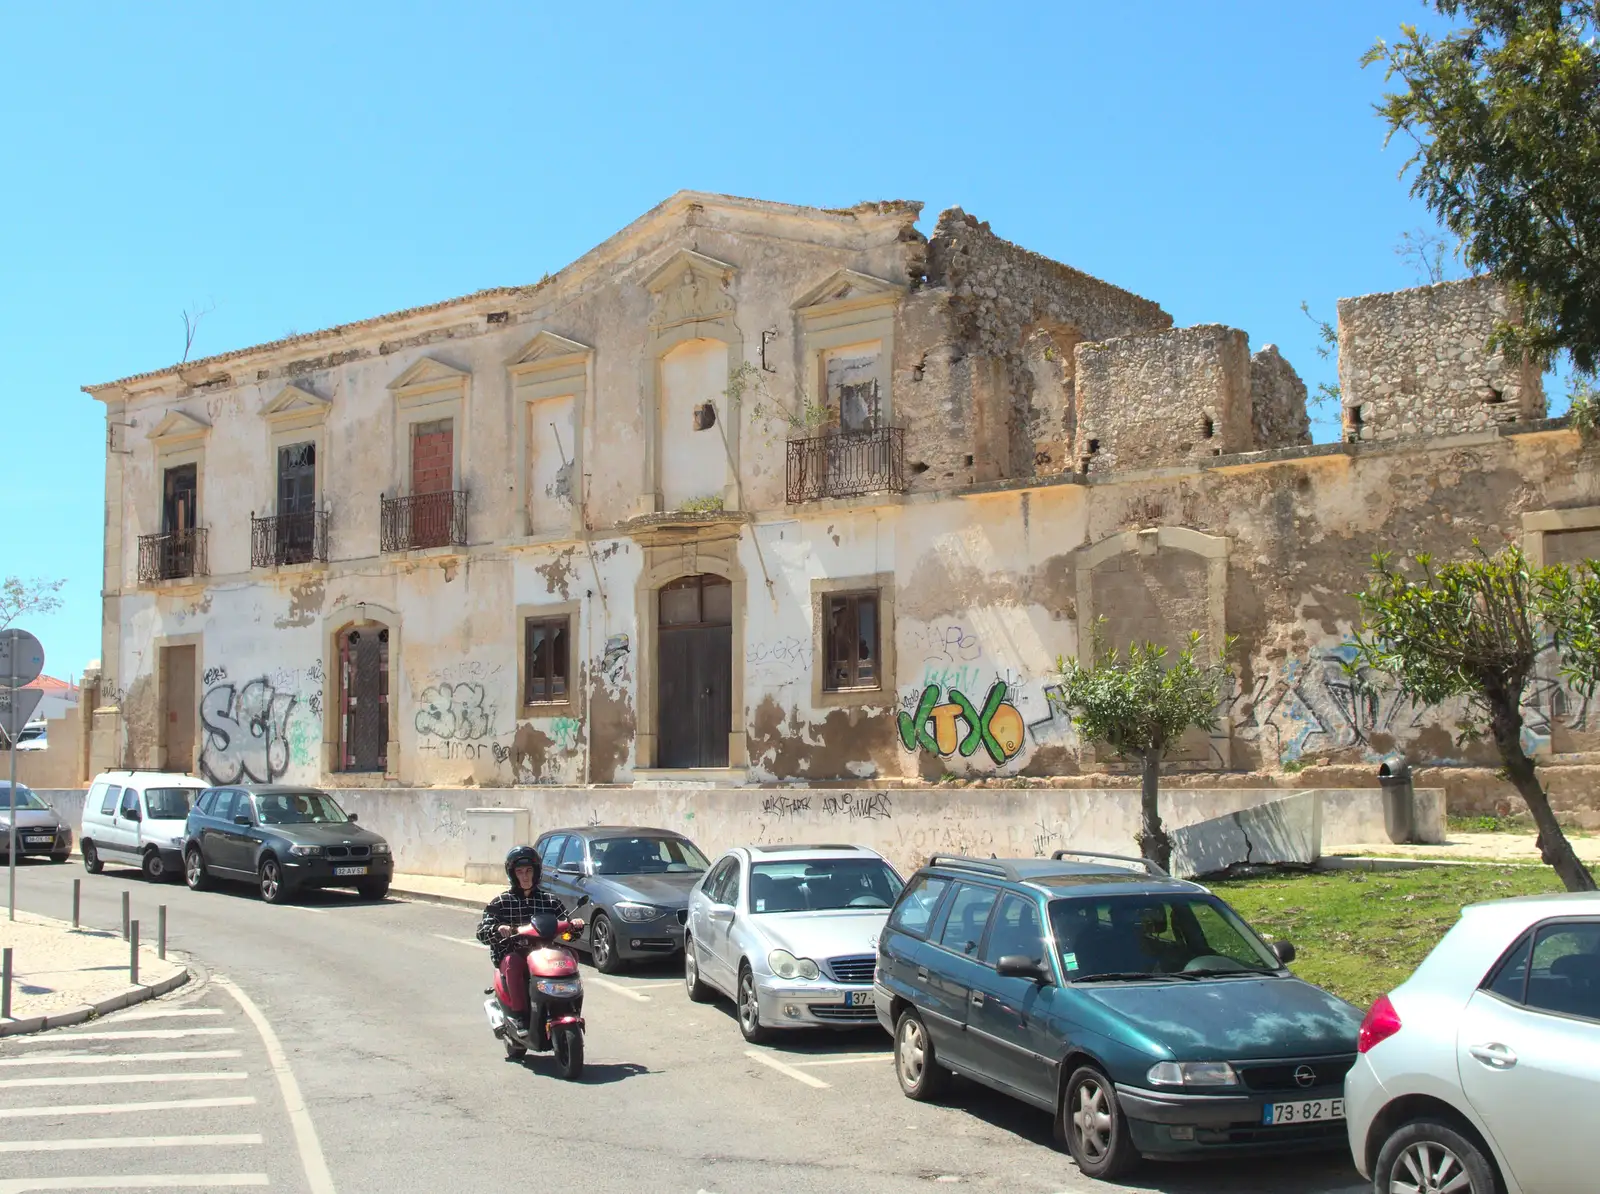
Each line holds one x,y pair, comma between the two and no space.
377,1010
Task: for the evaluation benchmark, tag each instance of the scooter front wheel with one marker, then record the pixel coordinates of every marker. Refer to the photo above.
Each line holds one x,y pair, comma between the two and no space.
567,1044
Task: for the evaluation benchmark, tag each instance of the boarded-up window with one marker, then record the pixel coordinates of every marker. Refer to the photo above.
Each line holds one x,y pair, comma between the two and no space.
433,456
850,378
852,641
545,667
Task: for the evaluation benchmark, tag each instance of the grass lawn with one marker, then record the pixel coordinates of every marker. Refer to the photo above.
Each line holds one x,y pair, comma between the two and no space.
1361,934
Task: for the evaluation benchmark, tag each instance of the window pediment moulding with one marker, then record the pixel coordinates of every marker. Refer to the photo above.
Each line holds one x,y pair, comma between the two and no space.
177,428
548,357
429,380
297,407
689,288
846,297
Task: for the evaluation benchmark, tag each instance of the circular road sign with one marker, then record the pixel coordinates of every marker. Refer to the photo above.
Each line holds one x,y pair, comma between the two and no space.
19,650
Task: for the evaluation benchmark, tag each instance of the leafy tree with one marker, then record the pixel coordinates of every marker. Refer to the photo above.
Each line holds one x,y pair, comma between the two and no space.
1505,114
1140,706
1474,630
19,598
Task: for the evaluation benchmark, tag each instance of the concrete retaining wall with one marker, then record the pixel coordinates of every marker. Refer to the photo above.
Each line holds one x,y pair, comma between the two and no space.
427,826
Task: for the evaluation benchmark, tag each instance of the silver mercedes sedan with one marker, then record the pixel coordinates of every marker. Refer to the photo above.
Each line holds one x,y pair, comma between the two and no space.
790,933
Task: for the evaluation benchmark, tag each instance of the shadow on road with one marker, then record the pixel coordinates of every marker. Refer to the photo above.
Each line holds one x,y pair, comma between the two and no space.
595,1073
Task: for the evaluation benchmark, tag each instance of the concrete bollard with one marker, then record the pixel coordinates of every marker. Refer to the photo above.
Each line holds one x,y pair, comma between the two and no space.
161,932
77,900
133,954
5,984
124,916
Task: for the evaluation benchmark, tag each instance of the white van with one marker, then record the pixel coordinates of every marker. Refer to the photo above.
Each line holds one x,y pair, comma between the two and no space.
138,818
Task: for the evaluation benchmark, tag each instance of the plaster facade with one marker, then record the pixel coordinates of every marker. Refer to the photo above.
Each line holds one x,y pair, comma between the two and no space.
800,496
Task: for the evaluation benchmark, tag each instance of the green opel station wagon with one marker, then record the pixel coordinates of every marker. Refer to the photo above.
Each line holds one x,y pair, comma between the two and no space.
1138,1009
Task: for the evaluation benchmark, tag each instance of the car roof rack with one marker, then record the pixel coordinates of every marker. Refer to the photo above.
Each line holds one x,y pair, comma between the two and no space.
983,866
1149,866
803,847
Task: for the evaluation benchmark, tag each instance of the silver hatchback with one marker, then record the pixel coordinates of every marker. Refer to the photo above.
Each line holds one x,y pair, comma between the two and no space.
790,933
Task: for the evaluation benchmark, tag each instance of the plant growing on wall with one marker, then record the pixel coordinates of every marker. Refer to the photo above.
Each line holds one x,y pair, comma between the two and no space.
1475,629
1141,704
779,419
20,598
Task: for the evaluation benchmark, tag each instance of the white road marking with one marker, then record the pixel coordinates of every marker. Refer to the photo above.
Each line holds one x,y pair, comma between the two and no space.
844,1061
168,1014
798,1075
318,1178
142,1181
122,1079
107,1058
56,1146
468,941
118,1108
141,1034
618,988
303,908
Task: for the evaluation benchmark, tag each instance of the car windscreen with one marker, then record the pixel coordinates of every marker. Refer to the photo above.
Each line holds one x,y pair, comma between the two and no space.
298,808
1139,935
26,798
646,855
821,885
168,804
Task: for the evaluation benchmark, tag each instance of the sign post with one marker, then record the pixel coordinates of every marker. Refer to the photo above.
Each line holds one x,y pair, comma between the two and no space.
21,661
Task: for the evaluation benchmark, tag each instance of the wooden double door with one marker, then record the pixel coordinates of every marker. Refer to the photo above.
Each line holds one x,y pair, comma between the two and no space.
694,672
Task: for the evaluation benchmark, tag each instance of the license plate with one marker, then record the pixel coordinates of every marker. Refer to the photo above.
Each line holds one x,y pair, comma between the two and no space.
857,998
40,841
1304,1112
349,870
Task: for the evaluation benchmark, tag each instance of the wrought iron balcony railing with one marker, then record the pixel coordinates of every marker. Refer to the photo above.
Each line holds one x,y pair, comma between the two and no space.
280,539
172,556
840,464
425,520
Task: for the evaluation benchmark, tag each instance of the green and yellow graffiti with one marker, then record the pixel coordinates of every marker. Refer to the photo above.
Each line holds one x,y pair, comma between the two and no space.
998,727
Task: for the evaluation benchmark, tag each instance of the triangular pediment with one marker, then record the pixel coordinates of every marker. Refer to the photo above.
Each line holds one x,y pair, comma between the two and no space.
175,426
670,272
429,374
547,348
847,288
294,402
689,287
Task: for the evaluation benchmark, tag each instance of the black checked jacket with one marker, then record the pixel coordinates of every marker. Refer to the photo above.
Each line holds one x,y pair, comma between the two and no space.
514,909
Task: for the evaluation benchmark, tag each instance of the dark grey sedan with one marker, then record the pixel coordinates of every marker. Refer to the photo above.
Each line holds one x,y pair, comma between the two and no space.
40,829
631,885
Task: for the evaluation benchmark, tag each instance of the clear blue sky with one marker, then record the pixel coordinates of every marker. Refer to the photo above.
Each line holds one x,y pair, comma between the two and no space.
300,165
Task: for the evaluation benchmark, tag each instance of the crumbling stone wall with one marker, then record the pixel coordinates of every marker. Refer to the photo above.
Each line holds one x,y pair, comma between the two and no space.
1013,311
1277,401
1163,398
1416,363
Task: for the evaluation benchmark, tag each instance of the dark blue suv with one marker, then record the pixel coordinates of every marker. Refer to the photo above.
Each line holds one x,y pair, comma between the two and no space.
1139,1010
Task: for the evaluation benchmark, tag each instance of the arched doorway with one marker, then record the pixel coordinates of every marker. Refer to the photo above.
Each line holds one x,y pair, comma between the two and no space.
694,671
363,709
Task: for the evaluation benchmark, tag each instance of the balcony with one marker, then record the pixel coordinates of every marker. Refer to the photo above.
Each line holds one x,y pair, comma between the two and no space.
172,556
425,520
280,539
840,464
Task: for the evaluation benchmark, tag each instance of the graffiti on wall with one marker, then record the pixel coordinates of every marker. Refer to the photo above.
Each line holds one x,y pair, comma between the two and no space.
455,712
614,664
245,732
957,726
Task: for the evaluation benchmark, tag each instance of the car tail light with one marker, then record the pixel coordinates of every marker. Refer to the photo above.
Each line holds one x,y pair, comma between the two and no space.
1381,1023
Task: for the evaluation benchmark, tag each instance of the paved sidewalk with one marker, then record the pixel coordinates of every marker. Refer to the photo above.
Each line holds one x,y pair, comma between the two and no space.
438,890
1476,847
60,973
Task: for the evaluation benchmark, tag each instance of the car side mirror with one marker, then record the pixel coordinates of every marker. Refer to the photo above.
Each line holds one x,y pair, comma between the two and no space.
1283,951
570,868
721,911
242,819
131,814
1018,966
351,817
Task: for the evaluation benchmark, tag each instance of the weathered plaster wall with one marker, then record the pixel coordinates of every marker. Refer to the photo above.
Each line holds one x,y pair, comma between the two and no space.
1414,363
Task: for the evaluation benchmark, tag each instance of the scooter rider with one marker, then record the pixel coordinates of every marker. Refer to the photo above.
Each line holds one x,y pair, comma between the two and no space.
508,912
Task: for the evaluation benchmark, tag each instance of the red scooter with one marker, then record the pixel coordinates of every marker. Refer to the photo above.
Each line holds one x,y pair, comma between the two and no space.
555,996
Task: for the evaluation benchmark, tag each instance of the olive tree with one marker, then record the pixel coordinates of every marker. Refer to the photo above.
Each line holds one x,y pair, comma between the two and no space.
1474,630
1141,704
19,598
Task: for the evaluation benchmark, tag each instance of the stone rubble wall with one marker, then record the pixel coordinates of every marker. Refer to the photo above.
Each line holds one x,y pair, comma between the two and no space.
1277,401
1416,363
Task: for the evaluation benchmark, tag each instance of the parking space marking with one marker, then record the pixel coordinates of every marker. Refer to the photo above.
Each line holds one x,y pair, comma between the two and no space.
800,1076
168,1013
107,1058
140,1181
59,1146
468,941
123,1079
303,908
125,1108
843,1061
142,1034
629,992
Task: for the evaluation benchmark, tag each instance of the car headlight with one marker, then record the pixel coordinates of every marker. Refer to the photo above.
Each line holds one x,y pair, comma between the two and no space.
175,841
380,847
559,988
636,913
303,851
785,965
1192,1073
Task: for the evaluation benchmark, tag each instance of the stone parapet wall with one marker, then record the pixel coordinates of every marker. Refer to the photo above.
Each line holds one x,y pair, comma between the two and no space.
1277,402
1416,363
